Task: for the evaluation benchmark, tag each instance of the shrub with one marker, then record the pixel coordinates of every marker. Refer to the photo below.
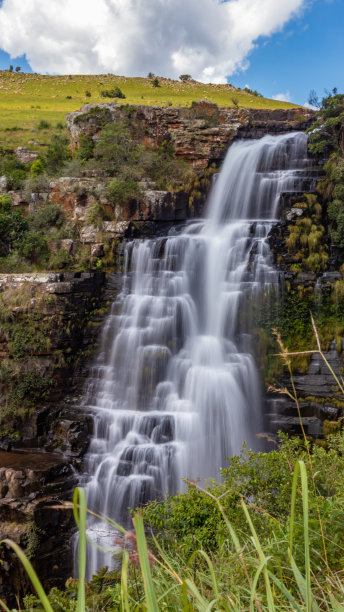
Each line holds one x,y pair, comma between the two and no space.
155,82
13,226
116,92
88,94
120,190
14,170
86,147
57,153
33,246
37,167
115,148
43,125
46,216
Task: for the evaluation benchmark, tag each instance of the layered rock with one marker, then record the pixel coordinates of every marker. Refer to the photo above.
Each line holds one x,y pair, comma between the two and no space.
200,134
31,514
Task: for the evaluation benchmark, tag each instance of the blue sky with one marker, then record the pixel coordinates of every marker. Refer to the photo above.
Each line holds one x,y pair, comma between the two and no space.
301,53
308,54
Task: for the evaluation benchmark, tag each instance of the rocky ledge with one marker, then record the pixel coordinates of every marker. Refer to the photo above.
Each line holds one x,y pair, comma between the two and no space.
200,134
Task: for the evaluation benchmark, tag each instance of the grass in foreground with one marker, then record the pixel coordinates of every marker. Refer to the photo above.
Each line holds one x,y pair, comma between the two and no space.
27,99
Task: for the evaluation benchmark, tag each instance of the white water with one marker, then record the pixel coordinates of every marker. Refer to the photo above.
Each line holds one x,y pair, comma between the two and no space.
175,390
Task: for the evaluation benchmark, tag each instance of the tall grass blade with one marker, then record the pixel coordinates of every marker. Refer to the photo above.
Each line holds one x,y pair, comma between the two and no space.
79,511
300,468
4,607
31,573
285,592
211,569
262,558
124,582
195,593
336,606
151,602
261,567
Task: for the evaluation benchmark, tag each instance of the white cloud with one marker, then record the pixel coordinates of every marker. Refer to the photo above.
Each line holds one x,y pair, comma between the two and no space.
310,106
208,39
282,97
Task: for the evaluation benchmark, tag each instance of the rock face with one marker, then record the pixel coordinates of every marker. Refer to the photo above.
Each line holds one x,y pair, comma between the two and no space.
41,339
200,134
320,399
31,514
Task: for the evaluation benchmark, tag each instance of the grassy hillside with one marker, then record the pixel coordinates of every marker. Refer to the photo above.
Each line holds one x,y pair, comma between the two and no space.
28,99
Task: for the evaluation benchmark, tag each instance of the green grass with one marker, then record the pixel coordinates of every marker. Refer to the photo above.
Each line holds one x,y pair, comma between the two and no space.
26,99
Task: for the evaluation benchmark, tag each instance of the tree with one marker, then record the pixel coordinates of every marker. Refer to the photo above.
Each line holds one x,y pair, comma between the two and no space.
18,68
185,77
313,99
150,75
155,82
10,68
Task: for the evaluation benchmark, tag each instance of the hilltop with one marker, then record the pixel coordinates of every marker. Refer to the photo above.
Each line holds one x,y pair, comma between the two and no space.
33,106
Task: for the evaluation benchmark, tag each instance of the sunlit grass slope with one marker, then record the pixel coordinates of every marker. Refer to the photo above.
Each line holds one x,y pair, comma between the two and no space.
27,99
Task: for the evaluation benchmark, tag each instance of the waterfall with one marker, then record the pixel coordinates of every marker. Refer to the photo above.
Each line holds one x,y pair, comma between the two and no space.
175,390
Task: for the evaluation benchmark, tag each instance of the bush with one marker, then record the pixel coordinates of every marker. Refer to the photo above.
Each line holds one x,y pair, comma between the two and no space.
116,92
155,82
13,226
57,154
120,190
33,246
43,125
185,77
37,167
115,149
14,170
46,216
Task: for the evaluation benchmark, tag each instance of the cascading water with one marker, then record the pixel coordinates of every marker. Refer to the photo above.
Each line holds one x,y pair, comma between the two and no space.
175,390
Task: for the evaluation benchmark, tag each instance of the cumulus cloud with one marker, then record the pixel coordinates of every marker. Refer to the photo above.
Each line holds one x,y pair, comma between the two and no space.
282,97
209,39
310,106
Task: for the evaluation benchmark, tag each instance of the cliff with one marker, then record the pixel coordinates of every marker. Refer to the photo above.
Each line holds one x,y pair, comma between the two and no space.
200,135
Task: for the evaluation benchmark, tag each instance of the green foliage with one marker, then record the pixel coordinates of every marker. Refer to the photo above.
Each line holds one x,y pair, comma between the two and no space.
116,92
326,134
57,154
277,528
37,167
13,226
115,149
253,92
33,246
43,125
156,82
185,77
46,216
86,147
120,190
14,170
306,240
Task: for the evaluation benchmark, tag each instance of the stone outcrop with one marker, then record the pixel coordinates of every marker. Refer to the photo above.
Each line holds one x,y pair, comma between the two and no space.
31,514
42,337
200,134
